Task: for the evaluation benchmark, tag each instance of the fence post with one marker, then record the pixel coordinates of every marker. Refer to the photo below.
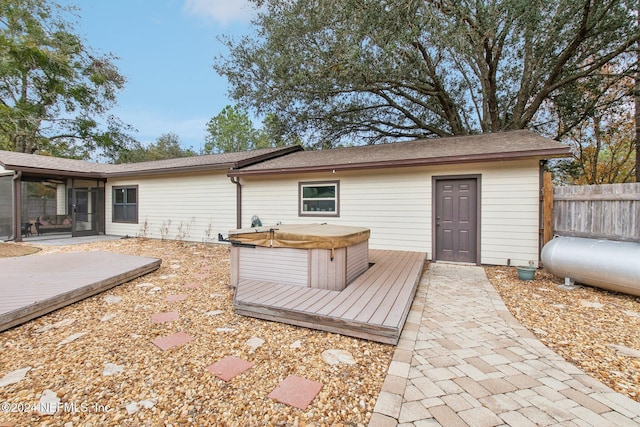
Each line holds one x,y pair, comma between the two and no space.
547,208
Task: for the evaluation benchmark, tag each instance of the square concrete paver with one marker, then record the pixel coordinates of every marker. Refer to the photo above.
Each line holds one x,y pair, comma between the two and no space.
173,340
177,297
229,367
296,391
164,317
191,285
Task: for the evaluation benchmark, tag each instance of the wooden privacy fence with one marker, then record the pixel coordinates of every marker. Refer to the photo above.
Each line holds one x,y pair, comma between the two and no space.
610,211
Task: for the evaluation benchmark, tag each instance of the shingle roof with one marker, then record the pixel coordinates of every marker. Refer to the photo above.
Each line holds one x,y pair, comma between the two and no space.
459,149
54,165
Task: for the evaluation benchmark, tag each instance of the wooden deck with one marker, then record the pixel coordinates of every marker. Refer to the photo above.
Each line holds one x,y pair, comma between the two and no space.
374,306
32,286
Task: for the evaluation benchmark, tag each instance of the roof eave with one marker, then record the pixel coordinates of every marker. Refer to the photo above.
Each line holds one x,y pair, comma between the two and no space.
206,167
57,172
171,171
475,158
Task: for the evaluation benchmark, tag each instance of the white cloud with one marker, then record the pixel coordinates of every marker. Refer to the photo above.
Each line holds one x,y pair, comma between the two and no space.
222,11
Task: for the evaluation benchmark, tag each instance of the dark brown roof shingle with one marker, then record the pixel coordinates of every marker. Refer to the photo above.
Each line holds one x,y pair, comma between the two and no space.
458,149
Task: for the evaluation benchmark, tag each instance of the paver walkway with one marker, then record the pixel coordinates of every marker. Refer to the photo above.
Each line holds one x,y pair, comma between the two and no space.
464,360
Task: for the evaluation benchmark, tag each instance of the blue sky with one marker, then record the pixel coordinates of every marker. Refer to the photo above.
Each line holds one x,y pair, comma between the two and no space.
165,50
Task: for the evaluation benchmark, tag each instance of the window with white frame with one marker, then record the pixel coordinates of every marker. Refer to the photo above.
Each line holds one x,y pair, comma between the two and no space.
319,198
125,204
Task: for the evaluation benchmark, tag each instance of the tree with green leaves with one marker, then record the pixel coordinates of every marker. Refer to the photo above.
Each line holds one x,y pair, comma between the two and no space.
167,146
54,91
232,130
382,70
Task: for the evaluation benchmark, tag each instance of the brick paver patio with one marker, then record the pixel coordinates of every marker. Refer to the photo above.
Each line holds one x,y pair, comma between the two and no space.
464,360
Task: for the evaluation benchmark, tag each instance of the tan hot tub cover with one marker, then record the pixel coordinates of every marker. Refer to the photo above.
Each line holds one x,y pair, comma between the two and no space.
305,236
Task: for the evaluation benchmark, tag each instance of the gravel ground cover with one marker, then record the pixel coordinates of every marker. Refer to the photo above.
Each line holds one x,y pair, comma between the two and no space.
98,358
97,355
596,330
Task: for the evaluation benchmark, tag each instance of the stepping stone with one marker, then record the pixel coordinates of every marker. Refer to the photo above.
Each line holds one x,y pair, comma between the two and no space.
164,317
296,391
174,340
229,367
14,376
191,285
225,330
177,297
154,290
200,276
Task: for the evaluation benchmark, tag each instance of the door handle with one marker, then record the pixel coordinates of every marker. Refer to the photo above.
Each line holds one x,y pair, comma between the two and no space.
437,221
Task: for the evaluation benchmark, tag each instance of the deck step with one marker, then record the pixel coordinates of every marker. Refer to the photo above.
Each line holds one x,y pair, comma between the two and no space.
374,306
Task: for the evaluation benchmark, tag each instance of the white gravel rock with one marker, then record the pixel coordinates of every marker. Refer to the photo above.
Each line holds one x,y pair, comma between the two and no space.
49,402
14,376
112,299
60,324
625,351
296,344
132,408
145,285
591,304
112,369
108,317
71,338
335,357
255,343
214,312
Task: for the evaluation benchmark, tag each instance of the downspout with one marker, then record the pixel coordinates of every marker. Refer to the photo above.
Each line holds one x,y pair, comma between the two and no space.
236,181
17,215
543,165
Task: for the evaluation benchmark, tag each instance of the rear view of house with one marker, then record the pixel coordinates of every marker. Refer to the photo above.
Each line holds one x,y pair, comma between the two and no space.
473,199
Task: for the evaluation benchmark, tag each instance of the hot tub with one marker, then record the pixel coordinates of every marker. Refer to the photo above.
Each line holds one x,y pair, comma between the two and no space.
320,256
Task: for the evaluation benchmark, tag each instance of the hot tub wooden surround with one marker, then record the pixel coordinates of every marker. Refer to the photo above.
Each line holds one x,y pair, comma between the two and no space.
374,306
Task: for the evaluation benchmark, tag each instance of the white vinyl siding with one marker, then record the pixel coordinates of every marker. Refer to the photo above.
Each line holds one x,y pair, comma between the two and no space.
396,204
178,207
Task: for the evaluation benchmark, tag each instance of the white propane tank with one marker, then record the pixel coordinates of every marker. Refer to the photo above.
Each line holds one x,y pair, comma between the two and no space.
607,264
